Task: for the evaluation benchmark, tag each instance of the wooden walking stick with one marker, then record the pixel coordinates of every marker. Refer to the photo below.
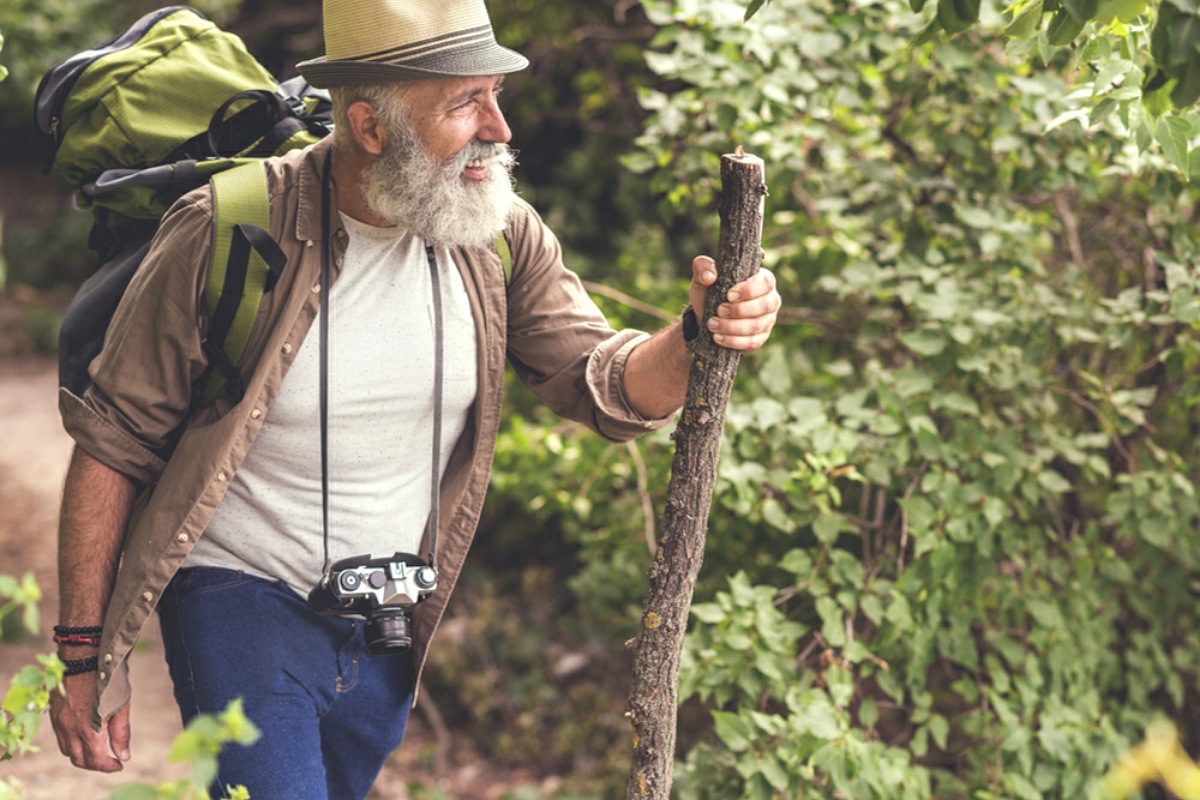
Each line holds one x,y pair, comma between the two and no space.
653,698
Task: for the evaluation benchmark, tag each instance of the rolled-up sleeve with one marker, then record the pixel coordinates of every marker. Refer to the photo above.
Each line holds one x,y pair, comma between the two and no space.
142,379
560,344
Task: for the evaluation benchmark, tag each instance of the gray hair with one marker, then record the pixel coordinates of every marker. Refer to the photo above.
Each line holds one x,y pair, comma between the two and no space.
387,98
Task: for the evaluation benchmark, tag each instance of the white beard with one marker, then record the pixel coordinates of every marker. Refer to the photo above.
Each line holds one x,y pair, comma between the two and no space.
431,199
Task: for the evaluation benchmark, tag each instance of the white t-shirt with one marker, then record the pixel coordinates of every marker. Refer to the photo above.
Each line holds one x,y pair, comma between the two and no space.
380,430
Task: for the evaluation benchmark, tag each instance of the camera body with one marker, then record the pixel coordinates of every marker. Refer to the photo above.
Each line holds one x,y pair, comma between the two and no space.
383,590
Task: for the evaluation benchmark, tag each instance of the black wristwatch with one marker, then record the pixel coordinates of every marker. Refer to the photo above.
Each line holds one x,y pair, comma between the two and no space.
691,325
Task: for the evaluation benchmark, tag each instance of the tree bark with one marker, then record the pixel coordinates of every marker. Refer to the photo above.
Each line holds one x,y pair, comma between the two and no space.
653,698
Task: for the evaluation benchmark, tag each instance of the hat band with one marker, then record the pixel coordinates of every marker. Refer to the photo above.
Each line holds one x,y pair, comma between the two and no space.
467,38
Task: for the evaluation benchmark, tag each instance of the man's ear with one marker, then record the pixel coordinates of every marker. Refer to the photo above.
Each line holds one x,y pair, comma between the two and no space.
366,127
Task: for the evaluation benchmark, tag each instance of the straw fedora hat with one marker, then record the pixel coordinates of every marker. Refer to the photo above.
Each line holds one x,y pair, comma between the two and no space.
377,41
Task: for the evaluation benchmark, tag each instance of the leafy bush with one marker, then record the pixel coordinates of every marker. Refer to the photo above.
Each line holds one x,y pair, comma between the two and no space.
963,494
957,497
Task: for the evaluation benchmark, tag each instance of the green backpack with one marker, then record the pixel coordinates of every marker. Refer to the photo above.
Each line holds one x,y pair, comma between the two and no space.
138,121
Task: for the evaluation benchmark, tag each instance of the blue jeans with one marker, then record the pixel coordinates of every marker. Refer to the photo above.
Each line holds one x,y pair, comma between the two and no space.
329,712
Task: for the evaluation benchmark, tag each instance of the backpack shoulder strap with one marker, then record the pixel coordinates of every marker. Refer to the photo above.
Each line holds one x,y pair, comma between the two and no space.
501,244
245,263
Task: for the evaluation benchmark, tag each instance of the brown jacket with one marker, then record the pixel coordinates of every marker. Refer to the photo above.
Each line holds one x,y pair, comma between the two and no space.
135,417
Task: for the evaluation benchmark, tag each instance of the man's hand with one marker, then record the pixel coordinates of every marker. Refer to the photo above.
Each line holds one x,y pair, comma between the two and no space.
745,318
656,373
71,716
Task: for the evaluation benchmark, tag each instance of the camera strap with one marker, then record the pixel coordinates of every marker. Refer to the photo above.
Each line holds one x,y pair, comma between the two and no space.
439,356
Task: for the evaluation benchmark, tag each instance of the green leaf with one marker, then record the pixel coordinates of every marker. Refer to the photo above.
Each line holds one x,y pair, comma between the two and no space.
1187,90
1173,134
1156,99
776,373
1064,27
1027,24
797,562
1124,10
814,714
1082,10
939,729
956,16
753,8
868,713
708,613
733,730
773,771
925,342
828,528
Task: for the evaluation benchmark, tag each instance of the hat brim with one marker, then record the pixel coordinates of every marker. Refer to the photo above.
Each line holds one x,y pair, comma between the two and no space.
490,60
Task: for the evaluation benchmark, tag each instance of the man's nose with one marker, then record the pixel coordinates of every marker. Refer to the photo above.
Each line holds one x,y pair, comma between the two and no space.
494,128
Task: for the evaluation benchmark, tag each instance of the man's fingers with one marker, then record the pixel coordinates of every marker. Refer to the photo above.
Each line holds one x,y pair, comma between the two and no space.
89,750
70,714
741,334
118,734
746,320
760,284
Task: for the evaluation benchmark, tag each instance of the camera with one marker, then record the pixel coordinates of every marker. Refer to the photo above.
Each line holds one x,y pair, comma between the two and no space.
383,590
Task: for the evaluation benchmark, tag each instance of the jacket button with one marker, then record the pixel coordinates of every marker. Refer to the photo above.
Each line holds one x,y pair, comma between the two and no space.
147,596
103,674
108,658
221,476
287,348
183,537
255,414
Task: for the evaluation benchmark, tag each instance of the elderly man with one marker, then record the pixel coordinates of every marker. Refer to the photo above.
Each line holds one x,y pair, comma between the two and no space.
370,435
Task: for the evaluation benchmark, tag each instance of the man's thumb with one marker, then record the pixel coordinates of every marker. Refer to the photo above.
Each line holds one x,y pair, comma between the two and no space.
118,734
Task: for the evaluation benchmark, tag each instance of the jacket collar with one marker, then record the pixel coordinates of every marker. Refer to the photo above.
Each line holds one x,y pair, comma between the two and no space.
312,172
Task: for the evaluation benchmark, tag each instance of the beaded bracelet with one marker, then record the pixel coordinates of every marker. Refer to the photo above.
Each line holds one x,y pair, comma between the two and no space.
80,666
80,636
76,638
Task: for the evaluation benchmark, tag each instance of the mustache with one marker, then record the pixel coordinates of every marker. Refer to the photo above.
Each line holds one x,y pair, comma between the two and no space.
499,153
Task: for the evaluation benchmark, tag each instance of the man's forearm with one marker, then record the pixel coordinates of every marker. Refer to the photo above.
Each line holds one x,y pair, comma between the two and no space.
656,373
97,503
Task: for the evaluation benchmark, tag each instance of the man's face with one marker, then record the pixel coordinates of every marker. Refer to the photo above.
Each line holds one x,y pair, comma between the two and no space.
448,114
444,172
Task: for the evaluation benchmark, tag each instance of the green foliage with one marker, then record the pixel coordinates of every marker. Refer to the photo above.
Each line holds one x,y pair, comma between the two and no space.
27,699
1159,39
28,695
199,744
18,601
963,495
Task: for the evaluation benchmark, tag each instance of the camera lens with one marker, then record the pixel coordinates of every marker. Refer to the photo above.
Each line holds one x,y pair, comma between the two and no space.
387,631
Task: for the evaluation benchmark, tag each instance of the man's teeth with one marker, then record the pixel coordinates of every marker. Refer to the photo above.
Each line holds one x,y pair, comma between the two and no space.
476,163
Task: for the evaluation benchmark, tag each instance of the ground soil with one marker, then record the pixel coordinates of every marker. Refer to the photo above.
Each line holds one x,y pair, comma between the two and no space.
33,461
